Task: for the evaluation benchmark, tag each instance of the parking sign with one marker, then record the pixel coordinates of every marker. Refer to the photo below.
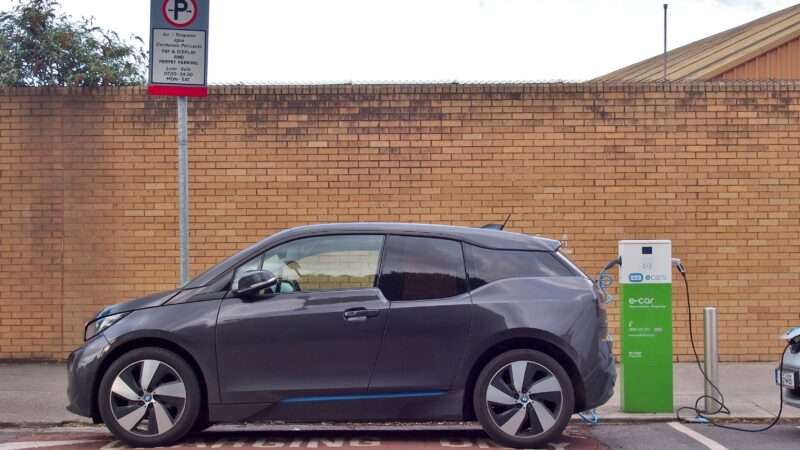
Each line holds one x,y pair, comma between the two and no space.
178,48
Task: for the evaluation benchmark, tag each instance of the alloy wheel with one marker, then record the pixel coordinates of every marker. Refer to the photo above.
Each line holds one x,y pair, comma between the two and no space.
524,399
147,398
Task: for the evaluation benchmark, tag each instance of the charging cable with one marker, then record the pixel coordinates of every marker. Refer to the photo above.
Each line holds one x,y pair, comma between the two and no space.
721,408
590,417
605,279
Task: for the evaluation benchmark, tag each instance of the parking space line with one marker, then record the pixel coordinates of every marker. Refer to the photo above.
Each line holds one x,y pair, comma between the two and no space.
40,444
710,443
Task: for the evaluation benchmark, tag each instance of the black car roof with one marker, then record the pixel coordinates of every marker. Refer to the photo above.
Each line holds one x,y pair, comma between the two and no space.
494,239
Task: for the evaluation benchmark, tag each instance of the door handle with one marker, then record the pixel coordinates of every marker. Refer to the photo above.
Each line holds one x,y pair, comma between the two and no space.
360,314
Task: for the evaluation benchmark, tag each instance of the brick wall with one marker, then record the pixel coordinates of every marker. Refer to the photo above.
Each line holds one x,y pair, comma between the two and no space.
88,186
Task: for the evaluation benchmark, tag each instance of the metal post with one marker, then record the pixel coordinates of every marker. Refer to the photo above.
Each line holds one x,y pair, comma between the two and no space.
665,42
711,359
183,186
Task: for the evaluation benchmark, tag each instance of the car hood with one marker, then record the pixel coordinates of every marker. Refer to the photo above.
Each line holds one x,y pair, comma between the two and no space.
148,301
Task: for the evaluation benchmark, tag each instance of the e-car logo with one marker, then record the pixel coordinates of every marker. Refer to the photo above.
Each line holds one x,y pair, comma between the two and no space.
655,277
641,301
179,13
635,277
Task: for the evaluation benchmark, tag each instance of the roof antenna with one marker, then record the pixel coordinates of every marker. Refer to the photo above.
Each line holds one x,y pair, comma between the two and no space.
505,222
497,226
665,42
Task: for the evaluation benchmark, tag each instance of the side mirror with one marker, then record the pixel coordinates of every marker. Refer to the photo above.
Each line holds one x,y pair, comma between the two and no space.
250,284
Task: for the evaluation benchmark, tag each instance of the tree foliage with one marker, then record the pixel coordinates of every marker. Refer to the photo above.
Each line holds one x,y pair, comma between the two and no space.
41,47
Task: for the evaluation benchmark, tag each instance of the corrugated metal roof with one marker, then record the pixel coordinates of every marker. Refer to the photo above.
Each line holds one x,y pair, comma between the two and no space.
717,54
780,63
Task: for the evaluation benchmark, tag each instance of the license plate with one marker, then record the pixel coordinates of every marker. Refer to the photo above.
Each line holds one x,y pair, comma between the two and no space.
788,380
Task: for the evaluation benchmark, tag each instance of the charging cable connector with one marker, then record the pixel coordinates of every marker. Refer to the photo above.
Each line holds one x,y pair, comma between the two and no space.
678,265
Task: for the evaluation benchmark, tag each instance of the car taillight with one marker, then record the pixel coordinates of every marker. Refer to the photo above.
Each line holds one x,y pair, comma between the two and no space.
602,311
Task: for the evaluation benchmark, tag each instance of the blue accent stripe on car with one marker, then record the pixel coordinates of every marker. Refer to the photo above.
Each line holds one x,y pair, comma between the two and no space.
332,398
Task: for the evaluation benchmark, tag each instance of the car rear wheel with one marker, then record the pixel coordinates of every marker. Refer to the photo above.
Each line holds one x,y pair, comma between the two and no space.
149,397
523,399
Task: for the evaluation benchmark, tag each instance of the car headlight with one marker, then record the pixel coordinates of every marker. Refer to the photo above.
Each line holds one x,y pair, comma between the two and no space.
100,324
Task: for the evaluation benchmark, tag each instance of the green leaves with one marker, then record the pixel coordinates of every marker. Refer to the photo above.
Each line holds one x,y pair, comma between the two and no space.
40,47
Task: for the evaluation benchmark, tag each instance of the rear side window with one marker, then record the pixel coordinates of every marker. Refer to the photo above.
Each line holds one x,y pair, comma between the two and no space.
485,266
417,268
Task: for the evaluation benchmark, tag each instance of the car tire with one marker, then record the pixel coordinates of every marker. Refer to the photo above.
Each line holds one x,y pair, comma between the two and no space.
149,397
523,399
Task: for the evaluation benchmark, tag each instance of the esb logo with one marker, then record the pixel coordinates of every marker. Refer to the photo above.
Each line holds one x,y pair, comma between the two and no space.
641,301
635,277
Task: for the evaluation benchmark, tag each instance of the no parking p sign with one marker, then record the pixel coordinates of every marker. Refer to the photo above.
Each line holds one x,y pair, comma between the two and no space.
178,48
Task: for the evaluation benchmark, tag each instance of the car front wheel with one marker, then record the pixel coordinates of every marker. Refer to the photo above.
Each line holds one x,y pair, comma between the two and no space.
523,399
149,397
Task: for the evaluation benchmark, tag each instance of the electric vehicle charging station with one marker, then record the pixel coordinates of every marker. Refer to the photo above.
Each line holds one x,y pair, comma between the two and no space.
645,294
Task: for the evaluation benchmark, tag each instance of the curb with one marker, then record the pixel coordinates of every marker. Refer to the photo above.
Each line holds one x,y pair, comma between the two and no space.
407,426
722,420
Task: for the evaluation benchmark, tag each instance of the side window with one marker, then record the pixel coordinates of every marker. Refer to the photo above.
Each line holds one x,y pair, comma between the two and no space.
320,263
417,268
485,265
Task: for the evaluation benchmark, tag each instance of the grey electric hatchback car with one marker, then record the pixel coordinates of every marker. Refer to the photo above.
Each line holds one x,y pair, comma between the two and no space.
364,321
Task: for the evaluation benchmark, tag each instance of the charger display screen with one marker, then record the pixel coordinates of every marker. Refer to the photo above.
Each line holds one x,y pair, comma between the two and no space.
647,250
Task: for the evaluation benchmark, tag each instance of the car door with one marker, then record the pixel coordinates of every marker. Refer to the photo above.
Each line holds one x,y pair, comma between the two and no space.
316,332
424,280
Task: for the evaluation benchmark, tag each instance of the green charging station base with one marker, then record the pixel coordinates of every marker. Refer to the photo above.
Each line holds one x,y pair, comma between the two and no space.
646,369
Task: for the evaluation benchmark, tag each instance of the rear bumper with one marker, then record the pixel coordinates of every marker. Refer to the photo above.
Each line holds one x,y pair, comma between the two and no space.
599,384
791,398
791,361
83,366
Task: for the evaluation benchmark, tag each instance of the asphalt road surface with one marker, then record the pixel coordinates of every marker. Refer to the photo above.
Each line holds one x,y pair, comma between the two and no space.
643,436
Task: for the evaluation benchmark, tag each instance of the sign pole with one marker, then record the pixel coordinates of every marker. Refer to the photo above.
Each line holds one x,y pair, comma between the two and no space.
183,185
178,68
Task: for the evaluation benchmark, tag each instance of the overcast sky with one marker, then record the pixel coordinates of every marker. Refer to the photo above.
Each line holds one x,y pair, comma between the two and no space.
295,41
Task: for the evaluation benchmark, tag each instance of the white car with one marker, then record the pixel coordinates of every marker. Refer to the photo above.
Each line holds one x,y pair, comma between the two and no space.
789,377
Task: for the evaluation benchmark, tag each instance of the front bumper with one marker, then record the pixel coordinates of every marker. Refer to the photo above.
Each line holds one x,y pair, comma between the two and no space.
83,366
